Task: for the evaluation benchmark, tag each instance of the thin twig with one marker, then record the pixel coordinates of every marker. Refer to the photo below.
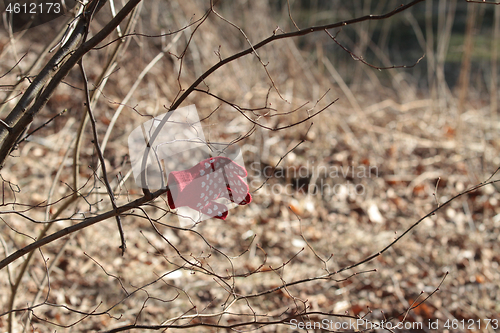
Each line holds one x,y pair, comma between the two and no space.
123,245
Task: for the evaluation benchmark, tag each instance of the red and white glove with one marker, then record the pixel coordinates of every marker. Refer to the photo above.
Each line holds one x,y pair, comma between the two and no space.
213,178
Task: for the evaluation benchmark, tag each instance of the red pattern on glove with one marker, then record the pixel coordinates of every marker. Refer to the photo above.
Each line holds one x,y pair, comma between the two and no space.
213,178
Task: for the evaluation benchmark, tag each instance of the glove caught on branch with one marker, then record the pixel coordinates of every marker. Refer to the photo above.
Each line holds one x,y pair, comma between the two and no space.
207,181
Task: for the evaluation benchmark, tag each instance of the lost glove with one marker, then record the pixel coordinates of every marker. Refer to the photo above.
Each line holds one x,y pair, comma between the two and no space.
213,178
